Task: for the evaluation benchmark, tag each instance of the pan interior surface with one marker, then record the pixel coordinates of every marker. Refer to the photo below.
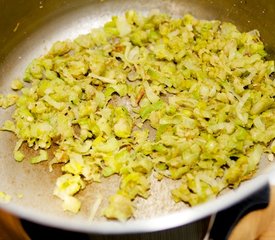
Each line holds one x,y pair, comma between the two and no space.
31,187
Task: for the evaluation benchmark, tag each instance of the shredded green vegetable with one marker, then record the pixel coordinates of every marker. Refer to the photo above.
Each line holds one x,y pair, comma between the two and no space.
4,197
204,88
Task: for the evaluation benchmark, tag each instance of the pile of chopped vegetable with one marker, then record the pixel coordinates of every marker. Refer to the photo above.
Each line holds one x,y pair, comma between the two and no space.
148,96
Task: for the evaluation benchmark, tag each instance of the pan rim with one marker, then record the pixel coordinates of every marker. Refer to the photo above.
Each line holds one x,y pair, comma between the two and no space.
158,223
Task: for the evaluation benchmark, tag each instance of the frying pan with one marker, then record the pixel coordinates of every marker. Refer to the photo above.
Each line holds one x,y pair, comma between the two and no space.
27,30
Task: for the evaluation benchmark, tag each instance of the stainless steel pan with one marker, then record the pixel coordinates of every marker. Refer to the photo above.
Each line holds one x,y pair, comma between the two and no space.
27,30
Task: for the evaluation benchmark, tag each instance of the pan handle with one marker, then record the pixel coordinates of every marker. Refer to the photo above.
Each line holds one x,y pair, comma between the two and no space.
226,220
